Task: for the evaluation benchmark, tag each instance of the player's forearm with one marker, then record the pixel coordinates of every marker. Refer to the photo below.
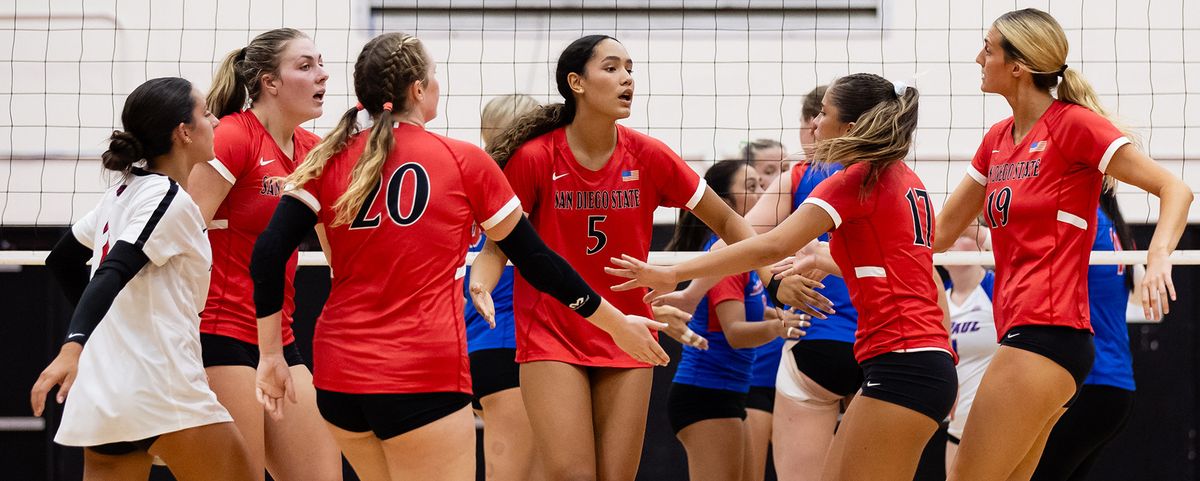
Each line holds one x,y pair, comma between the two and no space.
1175,198
488,266
960,210
744,335
741,257
270,334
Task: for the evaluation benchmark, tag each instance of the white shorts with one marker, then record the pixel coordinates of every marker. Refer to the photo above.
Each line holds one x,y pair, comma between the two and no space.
794,385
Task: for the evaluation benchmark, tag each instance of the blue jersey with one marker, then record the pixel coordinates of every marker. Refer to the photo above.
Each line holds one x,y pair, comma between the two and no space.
479,336
841,325
766,363
721,366
1107,297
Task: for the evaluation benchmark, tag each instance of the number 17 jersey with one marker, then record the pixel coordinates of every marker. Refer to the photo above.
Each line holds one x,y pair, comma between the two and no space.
1041,198
588,217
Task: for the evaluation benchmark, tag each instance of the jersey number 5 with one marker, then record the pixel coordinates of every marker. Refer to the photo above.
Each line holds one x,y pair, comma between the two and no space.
594,233
922,231
997,207
395,192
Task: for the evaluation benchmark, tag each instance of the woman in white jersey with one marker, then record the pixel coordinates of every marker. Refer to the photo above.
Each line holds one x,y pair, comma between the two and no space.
138,390
972,330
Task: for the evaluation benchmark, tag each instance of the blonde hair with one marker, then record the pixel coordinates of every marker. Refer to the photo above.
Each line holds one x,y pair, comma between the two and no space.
1034,39
501,112
387,66
239,78
884,122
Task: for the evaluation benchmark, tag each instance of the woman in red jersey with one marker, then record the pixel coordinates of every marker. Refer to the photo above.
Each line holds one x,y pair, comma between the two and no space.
881,220
281,74
390,357
1037,177
590,187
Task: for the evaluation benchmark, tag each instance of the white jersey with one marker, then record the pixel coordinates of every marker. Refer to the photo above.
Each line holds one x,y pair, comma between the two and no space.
140,373
973,335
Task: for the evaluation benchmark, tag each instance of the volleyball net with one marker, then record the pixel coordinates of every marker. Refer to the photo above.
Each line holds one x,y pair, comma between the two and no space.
711,75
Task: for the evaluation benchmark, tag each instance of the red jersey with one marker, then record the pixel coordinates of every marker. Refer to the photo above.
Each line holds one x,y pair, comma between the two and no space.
587,217
1042,194
883,244
394,319
252,162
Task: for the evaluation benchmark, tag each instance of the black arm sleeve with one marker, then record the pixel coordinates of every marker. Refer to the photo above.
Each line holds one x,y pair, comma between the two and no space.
67,262
291,222
123,262
547,271
773,292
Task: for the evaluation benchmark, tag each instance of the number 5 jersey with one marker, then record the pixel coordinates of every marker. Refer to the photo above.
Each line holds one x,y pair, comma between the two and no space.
588,217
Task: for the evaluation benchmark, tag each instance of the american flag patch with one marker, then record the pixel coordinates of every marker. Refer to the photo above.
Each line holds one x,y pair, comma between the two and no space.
1038,146
628,175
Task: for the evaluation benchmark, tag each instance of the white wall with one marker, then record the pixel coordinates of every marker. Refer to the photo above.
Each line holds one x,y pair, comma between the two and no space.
704,82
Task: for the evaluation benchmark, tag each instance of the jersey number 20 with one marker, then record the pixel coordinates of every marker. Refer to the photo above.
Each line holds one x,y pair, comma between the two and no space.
922,226
395,192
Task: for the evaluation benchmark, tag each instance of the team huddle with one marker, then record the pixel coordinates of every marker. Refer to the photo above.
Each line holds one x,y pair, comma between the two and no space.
815,323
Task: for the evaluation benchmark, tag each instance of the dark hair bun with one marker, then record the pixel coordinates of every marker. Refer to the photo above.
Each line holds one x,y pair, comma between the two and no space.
123,151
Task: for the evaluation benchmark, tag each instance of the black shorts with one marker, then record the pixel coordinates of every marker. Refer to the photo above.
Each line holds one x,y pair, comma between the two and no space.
387,415
1071,348
830,364
218,350
761,398
492,371
687,405
924,381
122,448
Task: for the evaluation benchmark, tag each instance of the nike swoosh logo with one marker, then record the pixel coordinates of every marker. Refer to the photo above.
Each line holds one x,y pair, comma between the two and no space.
264,162
559,176
1010,336
873,384
78,334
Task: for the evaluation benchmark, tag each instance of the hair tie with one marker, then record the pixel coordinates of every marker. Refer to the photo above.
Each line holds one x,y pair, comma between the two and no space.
241,54
387,106
1062,71
358,106
900,88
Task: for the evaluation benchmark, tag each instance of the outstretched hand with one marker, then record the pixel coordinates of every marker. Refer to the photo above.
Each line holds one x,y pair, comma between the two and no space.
677,326
659,279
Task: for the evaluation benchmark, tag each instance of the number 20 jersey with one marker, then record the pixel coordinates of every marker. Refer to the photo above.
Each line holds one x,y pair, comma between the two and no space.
1041,198
393,322
588,217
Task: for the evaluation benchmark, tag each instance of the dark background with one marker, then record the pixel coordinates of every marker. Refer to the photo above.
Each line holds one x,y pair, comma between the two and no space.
1158,443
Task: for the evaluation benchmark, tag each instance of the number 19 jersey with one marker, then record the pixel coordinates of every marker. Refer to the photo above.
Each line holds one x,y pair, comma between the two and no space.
587,217
1042,194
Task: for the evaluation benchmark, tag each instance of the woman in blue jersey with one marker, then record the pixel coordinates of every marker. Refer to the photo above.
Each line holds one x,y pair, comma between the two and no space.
817,376
1106,399
707,402
491,341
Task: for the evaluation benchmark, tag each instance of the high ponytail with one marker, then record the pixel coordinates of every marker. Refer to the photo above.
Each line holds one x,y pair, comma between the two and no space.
546,119
885,118
238,80
1036,40
228,93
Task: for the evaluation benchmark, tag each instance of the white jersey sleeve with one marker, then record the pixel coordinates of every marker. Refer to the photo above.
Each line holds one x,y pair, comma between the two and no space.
159,225
84,229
